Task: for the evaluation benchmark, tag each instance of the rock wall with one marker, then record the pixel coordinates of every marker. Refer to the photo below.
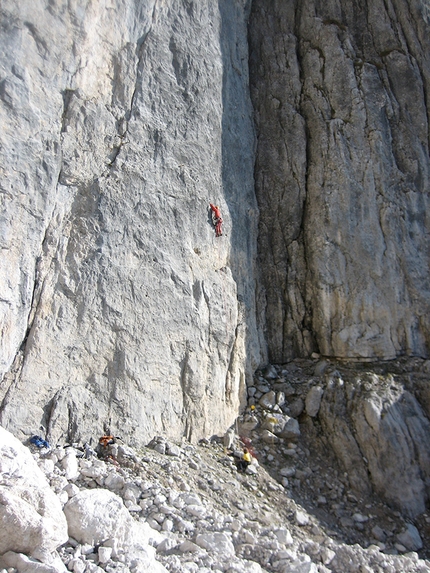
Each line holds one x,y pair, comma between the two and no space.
341,93
120,310
121,121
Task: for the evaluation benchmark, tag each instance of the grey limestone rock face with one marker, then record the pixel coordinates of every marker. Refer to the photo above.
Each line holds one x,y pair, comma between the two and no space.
340,92
121,310
379,432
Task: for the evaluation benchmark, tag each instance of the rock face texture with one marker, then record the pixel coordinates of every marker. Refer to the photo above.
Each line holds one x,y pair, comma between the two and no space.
341,93
119,307
122,121
378,430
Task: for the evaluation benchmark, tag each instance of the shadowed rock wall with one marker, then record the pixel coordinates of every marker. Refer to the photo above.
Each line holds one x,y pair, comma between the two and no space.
121,122
341,97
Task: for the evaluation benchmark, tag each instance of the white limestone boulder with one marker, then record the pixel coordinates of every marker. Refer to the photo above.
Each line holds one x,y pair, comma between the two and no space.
31,517
24,564
98,516
219,543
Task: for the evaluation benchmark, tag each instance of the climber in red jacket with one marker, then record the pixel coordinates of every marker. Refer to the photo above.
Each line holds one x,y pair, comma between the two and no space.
216,219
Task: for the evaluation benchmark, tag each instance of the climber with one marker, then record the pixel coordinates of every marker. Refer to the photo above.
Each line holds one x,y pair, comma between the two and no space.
244,461
106,441
103,449
216,219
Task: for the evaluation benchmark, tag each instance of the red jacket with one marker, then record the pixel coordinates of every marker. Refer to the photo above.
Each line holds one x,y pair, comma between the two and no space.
216,210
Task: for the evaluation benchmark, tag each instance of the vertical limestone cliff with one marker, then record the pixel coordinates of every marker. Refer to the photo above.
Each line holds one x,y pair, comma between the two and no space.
307,122
341,93
121,122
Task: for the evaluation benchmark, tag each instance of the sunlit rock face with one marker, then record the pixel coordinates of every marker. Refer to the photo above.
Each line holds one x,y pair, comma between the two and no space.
305,122
120,309
340,90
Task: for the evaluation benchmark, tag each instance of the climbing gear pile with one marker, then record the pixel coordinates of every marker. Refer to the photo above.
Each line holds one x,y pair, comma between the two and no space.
39,442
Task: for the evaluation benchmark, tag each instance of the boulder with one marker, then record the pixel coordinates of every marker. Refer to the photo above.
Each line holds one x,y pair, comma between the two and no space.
96,515
31,517
379,431
291,430
99,516
268,400
410,538
216,542
24,564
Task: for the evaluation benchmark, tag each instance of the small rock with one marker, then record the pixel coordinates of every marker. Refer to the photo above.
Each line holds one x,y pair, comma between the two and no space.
268,400
291,430
296,408
188,547
327,555
216,542
173,450
321,367
268,437
301,518
359,518
410,538
283,536
105,553
114,482
379,534
313,401
71,489
70,464
287,472
270,372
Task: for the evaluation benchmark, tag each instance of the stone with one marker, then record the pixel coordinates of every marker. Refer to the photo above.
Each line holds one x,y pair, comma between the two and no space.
284,536
378,533
31,517
287,471
359,518
321,367
268,437
24,564
189,547
327,555
299,566
70,464
71,489
274,422
114,481
104,553
296,407
291,430
216,542
313,400
410,538
269,372
173,450
268,400
95,515
301,518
